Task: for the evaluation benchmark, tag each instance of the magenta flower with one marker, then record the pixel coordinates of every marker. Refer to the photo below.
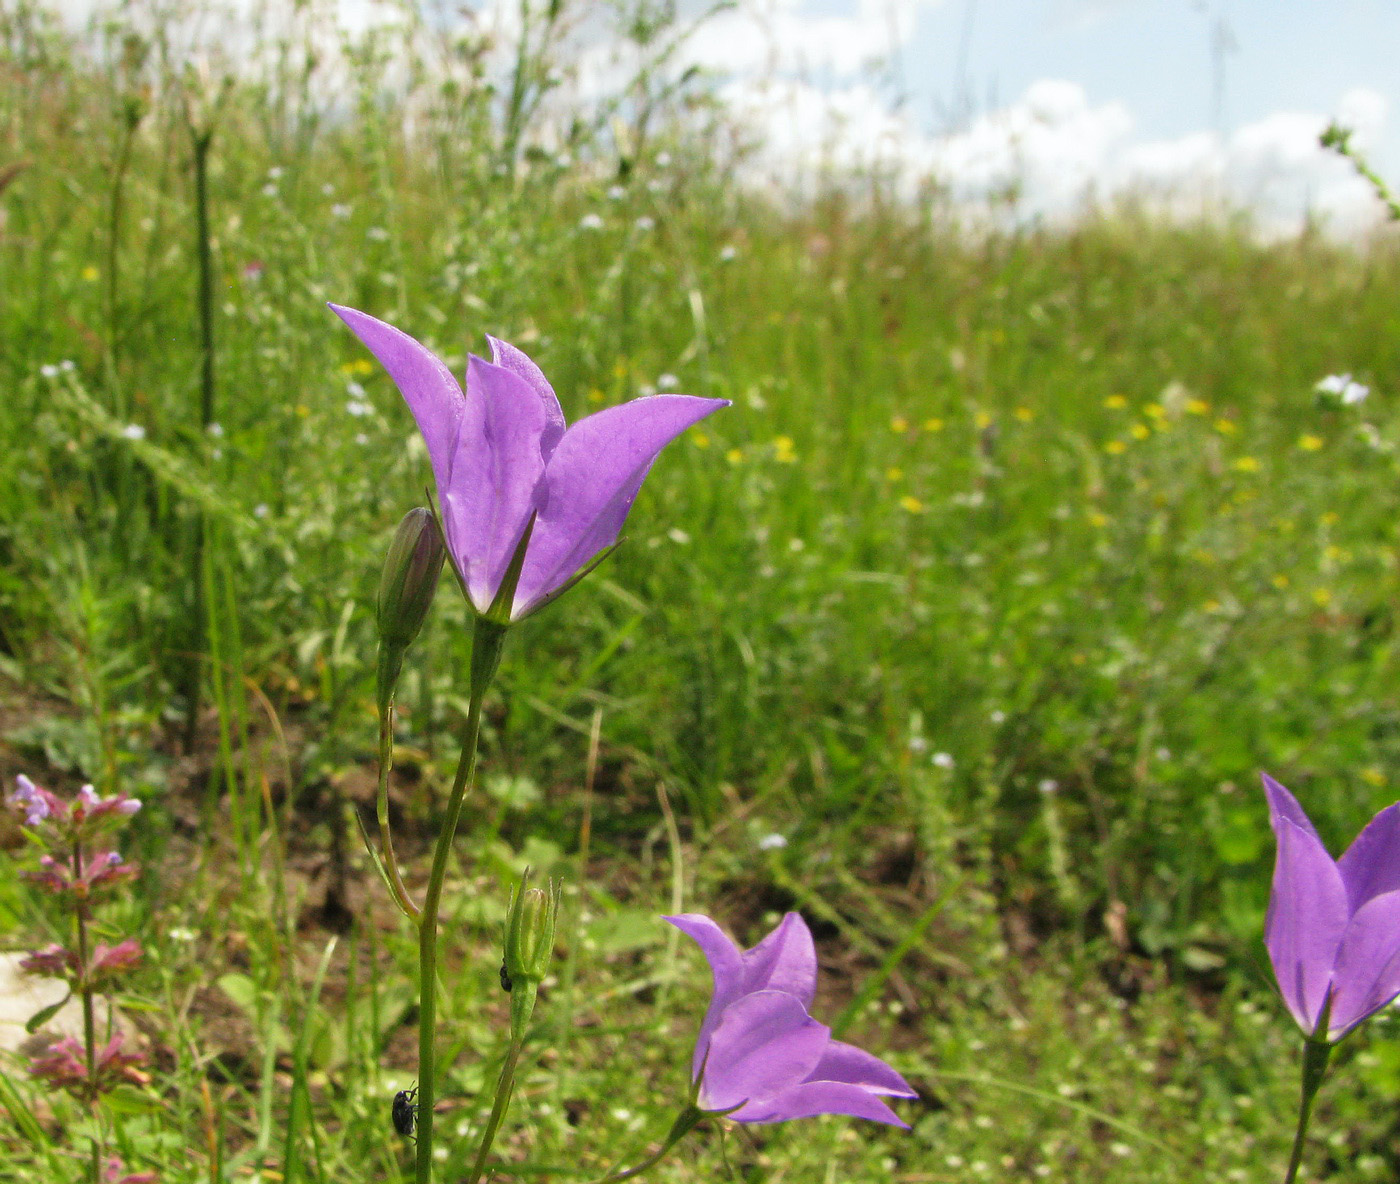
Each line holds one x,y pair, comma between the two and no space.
1333,928
762,1057
501,454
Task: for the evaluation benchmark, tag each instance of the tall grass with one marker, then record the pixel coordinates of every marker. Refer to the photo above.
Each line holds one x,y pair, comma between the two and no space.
1017,557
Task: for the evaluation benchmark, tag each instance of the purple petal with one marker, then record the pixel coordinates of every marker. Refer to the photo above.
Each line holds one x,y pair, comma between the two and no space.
1308,911
1367,976
726,966
514,360
854,1066
819,1097
1371,865
592,478
494,477
785,960
429,389
763,1044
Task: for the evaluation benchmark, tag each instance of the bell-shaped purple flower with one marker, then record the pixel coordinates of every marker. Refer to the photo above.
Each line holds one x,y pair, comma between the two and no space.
762,1057
1333,928
501,455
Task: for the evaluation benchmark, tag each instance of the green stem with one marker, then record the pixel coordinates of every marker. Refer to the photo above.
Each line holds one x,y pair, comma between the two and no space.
1315,1056
386,838
686,1121
505,1083
486,656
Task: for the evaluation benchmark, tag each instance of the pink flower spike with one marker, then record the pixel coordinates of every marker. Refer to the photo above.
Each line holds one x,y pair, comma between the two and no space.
502,457
760,1056
111,961
114,1172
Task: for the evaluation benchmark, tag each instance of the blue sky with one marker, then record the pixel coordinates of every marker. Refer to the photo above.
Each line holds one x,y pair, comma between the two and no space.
1157,56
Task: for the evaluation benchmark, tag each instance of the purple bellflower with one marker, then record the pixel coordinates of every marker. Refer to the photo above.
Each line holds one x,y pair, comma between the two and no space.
759,1055
503,457
1333,927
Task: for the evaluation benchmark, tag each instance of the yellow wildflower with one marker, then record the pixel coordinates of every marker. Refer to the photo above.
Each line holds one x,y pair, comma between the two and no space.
912,504
1281,581
1309,443
1197,406
893,473
1115,402
1373,776
1140,431
899,424
933,425
1246,464
1322,597
1024,414
783,451
1115,447
699,439
1226,427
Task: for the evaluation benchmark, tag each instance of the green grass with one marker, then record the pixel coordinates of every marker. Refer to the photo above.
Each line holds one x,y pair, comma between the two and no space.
1061,505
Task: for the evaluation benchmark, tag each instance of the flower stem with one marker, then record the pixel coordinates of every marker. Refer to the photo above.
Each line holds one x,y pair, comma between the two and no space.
1315,1056
80,911
505,1086
686,1121
486,656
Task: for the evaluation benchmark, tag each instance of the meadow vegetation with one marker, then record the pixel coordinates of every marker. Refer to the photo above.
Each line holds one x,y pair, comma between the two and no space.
966,631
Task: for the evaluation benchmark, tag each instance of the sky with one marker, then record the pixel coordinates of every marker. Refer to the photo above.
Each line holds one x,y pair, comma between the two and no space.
1022,110
1191,101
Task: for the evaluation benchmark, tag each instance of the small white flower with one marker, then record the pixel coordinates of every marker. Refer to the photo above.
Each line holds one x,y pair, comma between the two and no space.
49,370
918,744
646,222
942,760
773,842
1344,387
134,431
340,210
617,193
667,382
357,408
656,185
998,716
354,389
180,933
361,439
1048,785
214,429
663,160
728,252
590,222
275,172
67,366
269,190
327,189
377,234
261,510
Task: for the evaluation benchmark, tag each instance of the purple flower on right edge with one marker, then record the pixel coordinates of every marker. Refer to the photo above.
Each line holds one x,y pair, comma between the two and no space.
1333,927
764,1058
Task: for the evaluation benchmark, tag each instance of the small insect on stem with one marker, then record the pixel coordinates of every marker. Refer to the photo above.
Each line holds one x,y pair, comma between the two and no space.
506,984
405,1113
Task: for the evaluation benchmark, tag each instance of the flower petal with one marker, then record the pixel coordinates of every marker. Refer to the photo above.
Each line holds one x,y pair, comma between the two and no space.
1371,865
819,1097
763,1044
494,477
854,1066
516,361
1308,911
592,478
785,960
429,389
1367,976
726,965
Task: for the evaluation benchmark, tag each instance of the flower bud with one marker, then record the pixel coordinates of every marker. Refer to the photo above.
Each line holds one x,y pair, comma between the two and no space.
530,931
406,591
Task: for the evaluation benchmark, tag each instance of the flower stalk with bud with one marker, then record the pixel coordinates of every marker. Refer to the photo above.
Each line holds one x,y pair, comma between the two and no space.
528,506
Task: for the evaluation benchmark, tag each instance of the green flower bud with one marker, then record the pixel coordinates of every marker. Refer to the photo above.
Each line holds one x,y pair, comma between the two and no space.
406,591
530,931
